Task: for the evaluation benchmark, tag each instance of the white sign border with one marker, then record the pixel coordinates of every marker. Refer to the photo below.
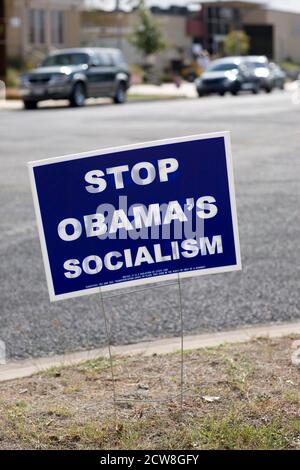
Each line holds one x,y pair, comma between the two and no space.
154,279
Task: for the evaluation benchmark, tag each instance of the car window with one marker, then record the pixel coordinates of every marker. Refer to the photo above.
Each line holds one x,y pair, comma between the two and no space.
223,67
66,59
105,58
260,65
95,60
250,66
118,58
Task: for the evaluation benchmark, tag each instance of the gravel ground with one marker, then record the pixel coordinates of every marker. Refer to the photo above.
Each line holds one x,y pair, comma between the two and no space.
265,138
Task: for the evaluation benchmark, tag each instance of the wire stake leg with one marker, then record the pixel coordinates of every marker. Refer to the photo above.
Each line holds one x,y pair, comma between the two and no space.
110,355
181,328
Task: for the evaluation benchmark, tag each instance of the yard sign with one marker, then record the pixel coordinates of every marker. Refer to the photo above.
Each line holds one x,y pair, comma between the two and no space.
136,214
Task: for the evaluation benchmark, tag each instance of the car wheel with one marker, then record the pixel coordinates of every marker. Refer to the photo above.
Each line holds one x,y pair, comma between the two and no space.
78,95
120,95
234,92
268,89
30,104
200,94
255,90
222,93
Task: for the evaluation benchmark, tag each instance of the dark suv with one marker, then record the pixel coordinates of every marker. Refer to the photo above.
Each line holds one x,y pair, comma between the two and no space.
77,74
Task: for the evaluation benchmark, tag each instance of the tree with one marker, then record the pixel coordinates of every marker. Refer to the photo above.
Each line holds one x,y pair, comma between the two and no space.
147,36
236,43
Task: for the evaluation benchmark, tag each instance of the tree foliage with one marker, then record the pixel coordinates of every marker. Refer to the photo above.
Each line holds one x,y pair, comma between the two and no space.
147,36
236,43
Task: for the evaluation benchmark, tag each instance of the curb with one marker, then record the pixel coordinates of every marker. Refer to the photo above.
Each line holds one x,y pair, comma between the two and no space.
17,104
25,368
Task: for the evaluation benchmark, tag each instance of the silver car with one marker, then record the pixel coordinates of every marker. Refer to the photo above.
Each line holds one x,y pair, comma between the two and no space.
262,71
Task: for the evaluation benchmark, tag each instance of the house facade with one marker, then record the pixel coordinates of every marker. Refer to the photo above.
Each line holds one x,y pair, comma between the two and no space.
272,25
31,28
113,29
34,27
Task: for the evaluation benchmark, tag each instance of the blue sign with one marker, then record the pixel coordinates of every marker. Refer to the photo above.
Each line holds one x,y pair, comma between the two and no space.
136,214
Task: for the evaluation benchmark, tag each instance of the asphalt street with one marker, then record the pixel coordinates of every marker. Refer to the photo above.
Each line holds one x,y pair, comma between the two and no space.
266,141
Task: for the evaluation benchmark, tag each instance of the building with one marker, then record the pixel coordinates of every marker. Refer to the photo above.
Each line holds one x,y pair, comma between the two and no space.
33,27
113,29
272,25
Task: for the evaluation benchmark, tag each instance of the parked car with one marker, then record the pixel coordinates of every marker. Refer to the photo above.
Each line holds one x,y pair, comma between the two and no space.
262,71
278,76
231,74
77,74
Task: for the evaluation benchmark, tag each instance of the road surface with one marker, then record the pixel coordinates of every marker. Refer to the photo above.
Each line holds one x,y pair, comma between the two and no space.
266,144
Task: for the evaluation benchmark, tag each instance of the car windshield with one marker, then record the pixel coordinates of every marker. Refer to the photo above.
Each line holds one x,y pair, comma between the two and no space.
66,59
223,67
259,65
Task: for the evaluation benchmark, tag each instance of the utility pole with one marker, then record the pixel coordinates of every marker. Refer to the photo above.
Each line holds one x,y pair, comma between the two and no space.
2,41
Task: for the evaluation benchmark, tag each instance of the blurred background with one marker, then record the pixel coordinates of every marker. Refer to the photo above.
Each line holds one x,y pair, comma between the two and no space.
190,32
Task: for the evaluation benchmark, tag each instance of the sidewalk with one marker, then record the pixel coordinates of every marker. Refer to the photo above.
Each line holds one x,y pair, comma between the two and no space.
186,90
10,105
25,368
135,93
167,90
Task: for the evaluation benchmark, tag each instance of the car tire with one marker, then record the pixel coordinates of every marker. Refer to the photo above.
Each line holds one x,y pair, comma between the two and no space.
222,93
120,95
30,104
255,90
200,94
234,92
268,89
78,95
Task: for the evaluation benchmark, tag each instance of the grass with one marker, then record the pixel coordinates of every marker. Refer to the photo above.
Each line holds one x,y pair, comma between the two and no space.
231,433
290,66
12,93
71,407
135,97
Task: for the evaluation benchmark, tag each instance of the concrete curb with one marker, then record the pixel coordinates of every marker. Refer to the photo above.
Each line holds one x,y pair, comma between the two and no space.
26,368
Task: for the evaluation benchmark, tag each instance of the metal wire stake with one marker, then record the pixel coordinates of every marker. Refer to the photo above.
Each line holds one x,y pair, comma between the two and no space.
181,327
110,355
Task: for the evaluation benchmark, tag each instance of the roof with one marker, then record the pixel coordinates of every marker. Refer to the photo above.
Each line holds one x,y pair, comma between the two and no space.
292,6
